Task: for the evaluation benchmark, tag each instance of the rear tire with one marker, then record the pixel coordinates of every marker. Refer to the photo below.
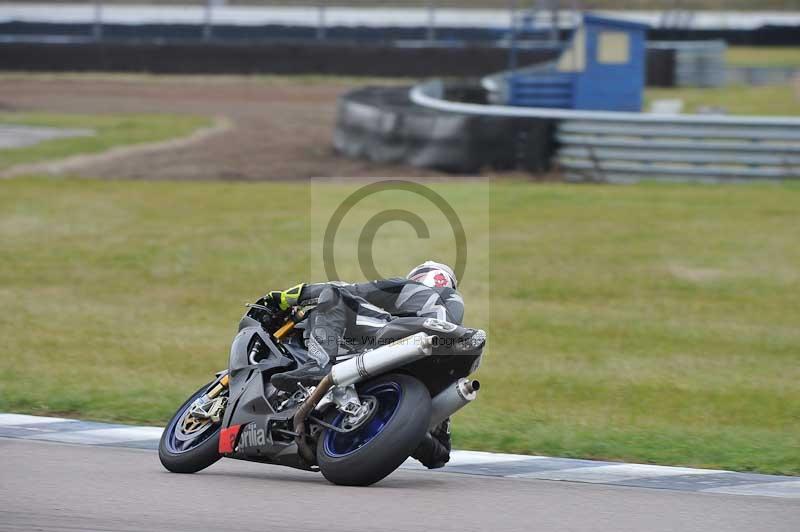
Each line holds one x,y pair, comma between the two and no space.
396,437
195,458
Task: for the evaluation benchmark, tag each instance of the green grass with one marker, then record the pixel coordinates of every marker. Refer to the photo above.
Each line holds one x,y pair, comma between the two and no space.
649,323
763,56
779,100
110,130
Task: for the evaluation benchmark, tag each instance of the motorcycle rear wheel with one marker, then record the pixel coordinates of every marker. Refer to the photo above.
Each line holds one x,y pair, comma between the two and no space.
373,451
189,455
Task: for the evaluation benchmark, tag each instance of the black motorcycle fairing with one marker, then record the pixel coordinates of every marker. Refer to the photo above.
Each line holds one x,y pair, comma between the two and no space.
440,371
243,371
249,405
247,321
243,344
444,366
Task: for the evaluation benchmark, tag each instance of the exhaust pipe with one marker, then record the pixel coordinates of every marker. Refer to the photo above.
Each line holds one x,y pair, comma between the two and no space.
381,360
452,399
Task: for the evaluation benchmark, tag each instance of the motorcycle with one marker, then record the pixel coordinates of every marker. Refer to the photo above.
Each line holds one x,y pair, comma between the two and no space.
358,425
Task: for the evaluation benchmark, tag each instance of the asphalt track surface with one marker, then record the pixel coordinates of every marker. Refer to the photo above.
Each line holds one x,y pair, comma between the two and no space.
62,487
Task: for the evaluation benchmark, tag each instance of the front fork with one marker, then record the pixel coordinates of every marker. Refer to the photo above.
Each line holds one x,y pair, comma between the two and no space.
218,388
211,406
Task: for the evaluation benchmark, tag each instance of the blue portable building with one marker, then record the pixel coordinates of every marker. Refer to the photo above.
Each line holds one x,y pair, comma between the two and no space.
602,68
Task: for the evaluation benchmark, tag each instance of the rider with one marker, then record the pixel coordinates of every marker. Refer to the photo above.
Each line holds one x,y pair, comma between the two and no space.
346,312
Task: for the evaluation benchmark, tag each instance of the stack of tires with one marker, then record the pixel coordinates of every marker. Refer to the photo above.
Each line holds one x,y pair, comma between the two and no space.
382,125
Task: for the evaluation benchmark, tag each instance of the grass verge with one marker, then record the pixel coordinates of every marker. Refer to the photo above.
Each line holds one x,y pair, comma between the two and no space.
650,323
778,100
110,131
763,56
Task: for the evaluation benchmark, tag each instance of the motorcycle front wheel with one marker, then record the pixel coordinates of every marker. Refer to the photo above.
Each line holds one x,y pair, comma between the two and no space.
188,445
374,450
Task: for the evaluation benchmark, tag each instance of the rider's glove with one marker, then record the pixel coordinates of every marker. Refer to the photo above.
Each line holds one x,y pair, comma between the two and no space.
286,299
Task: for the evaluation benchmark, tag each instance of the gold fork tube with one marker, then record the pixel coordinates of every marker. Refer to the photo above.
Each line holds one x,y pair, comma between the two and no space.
220,386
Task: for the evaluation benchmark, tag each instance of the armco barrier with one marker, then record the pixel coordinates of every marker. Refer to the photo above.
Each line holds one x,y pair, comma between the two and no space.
628,147
625,151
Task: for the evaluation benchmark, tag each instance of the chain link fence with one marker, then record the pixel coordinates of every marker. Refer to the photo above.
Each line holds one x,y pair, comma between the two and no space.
716,5
431,18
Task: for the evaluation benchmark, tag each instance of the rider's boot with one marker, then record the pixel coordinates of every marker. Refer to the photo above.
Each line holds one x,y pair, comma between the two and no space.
323,347
434,450
442,434
309,374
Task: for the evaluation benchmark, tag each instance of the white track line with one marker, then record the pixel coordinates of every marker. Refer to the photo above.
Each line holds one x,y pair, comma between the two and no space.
616,473
103,436
517,466
21,419
789,489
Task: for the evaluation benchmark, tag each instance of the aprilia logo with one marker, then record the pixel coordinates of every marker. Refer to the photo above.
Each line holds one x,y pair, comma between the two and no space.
252,437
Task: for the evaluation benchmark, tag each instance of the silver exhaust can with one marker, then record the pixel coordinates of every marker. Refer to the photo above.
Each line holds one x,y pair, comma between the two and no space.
452,399
382,359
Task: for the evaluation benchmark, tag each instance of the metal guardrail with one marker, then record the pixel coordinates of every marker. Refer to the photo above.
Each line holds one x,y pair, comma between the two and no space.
628,147
620,152
697,63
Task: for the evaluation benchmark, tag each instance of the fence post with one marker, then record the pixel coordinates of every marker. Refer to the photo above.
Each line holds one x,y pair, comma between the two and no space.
207,21
554,28
97,26
321,21
512,53
431,21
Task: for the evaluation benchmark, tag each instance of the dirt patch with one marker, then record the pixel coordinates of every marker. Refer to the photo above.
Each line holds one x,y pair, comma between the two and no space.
278,129
77,163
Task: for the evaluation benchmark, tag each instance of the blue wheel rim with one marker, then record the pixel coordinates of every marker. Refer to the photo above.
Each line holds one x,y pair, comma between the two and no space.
388,395
177,446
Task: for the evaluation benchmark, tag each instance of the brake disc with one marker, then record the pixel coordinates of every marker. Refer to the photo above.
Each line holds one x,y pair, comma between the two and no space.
369,405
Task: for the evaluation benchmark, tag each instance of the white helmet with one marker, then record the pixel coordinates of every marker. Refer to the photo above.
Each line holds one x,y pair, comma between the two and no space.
434,274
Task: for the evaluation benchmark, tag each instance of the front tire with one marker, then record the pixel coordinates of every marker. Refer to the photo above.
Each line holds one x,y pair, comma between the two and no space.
181,455
375,450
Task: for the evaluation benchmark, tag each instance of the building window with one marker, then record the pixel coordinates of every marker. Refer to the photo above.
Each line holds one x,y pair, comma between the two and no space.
613,47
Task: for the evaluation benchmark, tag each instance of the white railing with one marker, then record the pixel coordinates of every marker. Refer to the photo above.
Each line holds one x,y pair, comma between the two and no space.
628,147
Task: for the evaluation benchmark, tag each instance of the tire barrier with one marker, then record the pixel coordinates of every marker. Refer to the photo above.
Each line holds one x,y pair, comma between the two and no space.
382,125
